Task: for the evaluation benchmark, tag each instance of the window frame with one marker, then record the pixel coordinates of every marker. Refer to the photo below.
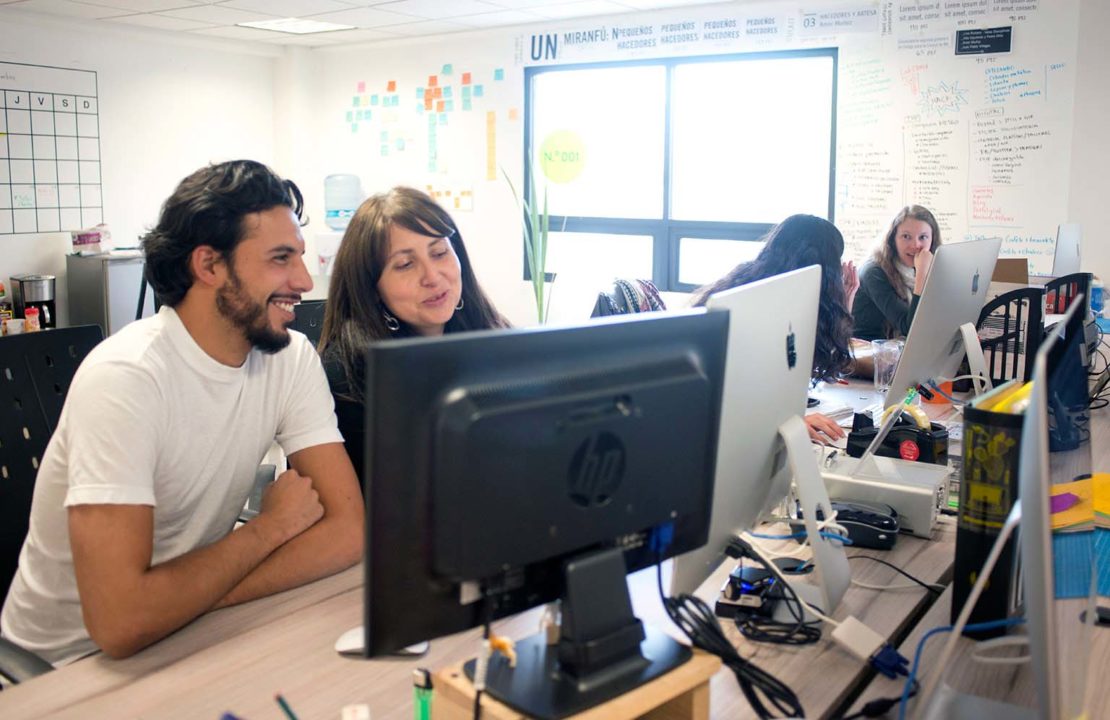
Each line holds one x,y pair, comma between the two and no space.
666,232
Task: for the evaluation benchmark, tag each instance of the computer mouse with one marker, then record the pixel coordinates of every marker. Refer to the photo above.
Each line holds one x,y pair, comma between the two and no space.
869,525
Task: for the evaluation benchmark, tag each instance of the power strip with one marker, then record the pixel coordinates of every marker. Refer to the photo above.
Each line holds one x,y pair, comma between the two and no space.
918,491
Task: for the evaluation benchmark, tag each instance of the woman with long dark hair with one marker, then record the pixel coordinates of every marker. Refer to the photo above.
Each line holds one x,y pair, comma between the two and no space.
797,242
402,270
892,280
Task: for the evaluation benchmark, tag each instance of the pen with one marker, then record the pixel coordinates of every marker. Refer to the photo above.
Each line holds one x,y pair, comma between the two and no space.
285,707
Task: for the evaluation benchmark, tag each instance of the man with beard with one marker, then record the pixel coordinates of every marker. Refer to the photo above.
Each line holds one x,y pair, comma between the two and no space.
162,431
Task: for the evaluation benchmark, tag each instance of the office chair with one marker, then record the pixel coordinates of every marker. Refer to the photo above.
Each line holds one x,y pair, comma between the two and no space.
1010,329
309,319
1059,292
36,370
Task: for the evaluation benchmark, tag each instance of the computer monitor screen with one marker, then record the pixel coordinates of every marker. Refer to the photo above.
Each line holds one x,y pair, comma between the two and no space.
1057,536
767,373
1067,255
954,294
494,457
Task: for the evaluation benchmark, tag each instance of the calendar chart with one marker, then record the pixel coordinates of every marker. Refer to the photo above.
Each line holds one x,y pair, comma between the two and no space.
49,149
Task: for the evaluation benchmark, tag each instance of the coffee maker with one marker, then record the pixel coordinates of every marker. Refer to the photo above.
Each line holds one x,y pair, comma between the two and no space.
35,291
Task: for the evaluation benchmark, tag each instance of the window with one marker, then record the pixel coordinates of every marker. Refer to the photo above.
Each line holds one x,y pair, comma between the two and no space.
673,168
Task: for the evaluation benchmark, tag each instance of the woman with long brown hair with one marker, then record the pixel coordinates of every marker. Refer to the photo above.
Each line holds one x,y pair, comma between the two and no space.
402,270
892,280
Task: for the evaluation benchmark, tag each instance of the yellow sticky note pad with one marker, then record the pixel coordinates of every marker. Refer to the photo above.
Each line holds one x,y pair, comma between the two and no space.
1081,511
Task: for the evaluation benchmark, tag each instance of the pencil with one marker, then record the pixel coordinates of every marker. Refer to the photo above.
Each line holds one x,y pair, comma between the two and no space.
285,707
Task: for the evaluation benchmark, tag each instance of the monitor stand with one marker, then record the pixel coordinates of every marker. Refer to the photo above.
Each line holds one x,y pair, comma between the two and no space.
833,573
604,650
353,644
976,361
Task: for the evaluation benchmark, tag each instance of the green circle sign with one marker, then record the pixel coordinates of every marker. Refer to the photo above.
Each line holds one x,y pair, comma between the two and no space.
562,156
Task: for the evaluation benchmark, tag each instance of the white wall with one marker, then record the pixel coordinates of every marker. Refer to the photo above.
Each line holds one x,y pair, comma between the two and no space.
1090,156
168,105
492,231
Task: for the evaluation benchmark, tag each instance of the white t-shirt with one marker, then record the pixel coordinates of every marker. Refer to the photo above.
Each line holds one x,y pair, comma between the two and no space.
151,419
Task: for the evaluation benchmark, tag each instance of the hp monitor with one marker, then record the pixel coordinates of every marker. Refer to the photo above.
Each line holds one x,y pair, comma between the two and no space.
506,469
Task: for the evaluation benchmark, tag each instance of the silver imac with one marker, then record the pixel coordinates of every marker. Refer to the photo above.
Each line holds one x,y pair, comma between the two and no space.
954,294
1065,260
771,337
1058,566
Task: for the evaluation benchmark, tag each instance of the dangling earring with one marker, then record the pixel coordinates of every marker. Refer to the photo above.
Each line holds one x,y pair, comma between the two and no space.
461,303
391,322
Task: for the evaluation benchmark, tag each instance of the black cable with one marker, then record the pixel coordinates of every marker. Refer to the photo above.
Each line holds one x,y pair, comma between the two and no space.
880,706
766,630
898,570
487,615
696,619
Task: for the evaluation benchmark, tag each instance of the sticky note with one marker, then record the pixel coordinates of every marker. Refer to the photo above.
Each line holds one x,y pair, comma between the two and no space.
385,150
449,105
466,91
479,91
499,74
419,93
512,113
466,103
447,91
362,86
433,81
441,105
373,99
356,101
447,69
349,117
354,127
391,86
428,103
466,78
438,92
443,118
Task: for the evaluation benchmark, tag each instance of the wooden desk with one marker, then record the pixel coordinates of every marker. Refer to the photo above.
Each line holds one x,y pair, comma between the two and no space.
1008,683
237,659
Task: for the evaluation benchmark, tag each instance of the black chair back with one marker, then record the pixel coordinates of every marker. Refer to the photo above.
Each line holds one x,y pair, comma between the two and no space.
1010,329
1059,292
310,319
36,370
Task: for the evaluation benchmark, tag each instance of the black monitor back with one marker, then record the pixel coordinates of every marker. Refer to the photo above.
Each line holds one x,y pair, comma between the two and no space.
495,456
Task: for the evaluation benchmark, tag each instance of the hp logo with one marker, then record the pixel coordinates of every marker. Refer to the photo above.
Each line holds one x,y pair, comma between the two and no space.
596,470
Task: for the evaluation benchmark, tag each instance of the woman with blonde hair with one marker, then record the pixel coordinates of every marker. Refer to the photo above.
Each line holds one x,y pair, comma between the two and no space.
892,280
